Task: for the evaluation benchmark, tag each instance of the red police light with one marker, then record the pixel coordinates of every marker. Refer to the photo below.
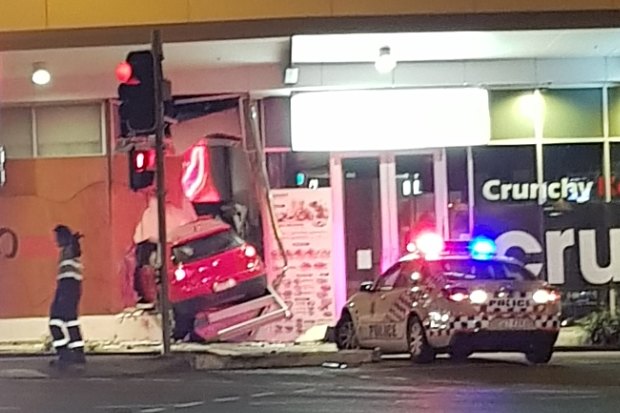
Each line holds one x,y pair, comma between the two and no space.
124,72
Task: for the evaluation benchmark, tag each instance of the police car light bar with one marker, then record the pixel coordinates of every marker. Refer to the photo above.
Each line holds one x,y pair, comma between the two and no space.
429,244
482,247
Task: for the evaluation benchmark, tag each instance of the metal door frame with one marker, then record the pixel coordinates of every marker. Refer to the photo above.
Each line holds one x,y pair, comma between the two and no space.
390,248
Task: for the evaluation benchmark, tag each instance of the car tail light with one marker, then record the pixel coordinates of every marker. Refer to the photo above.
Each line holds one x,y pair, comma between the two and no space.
544,296
250,251
180,274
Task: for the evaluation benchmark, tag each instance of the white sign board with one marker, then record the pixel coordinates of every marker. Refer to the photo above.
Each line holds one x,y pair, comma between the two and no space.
305,221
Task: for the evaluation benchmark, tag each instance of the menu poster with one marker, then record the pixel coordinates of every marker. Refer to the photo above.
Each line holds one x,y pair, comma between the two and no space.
304,218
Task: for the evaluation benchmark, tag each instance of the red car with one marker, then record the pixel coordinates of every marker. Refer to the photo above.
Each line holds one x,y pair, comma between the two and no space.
211,266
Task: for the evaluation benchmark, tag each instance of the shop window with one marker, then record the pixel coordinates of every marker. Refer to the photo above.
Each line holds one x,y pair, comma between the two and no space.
415,186
69,130
572,174
573,113
502,171
505,191
613,94
511,114
458,192
16,132
298,169
615,172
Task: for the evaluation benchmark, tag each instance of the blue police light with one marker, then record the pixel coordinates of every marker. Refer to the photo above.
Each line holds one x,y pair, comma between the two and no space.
482,247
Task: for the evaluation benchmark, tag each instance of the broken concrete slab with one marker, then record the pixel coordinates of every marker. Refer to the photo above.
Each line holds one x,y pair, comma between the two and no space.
270,356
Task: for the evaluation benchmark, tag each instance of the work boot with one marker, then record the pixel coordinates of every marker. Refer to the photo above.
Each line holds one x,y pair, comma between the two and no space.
63,361
78,357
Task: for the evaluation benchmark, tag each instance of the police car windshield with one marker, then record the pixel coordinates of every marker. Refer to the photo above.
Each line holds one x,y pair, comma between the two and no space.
469,269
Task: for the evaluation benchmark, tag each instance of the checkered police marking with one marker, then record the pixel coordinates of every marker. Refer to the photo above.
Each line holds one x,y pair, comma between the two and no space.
482,322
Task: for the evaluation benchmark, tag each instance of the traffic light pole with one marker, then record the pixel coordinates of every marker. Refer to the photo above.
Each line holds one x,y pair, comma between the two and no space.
158,54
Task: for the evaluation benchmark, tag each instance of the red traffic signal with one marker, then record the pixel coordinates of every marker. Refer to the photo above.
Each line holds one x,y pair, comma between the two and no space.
141,168
124,72
143,160
136,93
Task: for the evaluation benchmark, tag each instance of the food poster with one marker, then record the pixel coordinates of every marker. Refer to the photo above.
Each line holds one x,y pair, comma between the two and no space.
304,217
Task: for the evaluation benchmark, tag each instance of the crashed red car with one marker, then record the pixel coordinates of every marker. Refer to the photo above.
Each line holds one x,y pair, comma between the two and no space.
210,266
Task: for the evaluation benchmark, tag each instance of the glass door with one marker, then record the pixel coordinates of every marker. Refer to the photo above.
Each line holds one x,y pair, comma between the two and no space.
417,189
362,220
380,202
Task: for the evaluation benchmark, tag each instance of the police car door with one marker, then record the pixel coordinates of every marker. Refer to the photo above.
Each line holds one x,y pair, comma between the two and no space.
386,327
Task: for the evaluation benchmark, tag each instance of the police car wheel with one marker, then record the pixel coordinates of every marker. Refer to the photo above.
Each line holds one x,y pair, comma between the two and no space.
421,352
346,338
540,354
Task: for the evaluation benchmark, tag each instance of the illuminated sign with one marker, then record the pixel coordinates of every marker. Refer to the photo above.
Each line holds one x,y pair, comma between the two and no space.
557,242
566,188
197,179
389,119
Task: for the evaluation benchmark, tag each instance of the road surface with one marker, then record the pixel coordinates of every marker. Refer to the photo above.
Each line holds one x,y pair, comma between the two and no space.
573,382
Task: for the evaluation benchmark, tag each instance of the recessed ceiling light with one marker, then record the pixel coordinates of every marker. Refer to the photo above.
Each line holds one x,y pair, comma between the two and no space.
40,75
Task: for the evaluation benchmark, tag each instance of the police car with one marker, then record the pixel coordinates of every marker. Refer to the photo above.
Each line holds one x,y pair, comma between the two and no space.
453,298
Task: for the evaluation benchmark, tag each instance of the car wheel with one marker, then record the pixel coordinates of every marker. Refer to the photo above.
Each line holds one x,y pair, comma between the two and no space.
421,352
460,355
346,337
540,354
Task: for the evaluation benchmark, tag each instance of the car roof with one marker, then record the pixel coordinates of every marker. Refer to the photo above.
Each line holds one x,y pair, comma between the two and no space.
202,227
463,257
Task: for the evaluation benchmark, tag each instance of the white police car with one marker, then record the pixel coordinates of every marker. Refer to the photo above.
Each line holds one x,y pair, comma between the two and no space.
453,298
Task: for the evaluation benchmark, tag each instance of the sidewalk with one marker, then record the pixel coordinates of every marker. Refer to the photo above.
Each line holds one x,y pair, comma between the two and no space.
136,358
103,367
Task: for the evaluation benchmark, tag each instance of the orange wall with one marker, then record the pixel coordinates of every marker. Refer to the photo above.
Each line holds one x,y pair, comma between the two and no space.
22,15
39,195
90,195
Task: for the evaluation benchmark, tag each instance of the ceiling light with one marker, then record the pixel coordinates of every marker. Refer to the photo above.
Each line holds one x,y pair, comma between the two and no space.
40,75
385,63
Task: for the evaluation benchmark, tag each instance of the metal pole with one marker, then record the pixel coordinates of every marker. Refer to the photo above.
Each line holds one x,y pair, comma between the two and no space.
158,54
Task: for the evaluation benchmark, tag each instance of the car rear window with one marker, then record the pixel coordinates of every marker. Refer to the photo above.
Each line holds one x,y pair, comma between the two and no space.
463,269
206,247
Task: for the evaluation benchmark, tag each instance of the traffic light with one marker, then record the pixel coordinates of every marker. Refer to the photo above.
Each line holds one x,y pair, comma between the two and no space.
137,94
141,168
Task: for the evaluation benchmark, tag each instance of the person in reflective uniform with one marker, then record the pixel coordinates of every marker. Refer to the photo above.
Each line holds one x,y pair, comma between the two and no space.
64,324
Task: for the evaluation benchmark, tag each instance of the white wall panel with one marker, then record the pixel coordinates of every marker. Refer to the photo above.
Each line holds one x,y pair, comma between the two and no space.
571,71
430,74
500,72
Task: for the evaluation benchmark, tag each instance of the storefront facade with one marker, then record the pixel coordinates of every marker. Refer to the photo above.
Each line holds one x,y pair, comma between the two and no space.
544,186
541,179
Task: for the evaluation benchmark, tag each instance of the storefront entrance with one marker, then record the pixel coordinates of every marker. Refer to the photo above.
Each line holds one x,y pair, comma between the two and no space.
386,199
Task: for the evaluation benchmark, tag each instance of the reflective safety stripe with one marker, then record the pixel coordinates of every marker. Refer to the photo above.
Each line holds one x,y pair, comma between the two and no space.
76,344
57,322
72,263
74,323
71,274
60,343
